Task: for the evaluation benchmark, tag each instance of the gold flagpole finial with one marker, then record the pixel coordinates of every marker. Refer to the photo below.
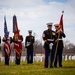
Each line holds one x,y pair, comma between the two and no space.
62,11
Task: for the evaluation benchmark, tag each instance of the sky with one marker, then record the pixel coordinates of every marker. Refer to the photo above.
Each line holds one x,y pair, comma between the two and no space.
35,14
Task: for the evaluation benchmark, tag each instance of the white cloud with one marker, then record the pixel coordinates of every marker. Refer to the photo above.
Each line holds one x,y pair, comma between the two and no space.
20,3
34,14
72,3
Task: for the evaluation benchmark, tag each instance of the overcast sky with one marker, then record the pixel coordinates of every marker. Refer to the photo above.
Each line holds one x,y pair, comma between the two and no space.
34,14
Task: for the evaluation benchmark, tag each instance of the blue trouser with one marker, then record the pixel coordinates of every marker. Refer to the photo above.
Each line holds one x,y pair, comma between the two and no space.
58,57
47,54
29,56
17,60
6,59
59,54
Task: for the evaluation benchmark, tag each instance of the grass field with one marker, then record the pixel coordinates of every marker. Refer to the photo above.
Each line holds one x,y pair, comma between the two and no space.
37,68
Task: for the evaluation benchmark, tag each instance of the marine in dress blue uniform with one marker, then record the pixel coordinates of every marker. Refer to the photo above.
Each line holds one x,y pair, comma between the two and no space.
59,45
49,40
29,41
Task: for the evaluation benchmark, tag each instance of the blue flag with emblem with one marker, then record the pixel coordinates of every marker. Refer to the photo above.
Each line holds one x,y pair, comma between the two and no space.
5,28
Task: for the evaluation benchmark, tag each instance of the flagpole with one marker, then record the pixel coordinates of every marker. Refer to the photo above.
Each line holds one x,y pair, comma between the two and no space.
56,46
56,49
62,14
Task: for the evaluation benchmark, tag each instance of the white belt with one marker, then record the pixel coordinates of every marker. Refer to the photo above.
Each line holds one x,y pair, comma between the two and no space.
50,39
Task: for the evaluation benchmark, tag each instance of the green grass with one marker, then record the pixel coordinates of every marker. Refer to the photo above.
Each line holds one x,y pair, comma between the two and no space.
37,68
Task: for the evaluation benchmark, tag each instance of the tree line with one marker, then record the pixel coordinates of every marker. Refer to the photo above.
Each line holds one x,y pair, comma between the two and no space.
69,48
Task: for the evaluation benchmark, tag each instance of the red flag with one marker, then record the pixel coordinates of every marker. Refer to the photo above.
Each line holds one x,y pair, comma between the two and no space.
15,25
61,22
16,36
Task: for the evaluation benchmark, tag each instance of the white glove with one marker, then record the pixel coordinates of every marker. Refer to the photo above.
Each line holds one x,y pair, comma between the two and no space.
28,43
50,45
60,30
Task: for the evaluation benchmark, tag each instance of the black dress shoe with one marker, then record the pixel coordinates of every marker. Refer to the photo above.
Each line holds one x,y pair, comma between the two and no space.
51,66
60,66
45,67
55,66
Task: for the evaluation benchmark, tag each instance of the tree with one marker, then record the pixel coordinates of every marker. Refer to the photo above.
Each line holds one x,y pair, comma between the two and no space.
38,48
69,48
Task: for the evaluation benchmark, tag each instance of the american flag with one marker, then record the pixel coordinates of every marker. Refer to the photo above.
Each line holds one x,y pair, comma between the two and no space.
5,28
6,36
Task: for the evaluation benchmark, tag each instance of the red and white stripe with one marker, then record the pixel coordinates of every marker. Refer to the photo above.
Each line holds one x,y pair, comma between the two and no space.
7,48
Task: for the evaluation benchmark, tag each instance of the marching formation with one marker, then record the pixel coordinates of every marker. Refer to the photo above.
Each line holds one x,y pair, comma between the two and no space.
53,44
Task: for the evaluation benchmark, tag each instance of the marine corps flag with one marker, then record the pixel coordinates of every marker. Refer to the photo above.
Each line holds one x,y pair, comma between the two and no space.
15,25
61,22
16,35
